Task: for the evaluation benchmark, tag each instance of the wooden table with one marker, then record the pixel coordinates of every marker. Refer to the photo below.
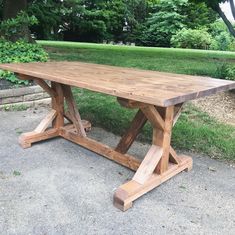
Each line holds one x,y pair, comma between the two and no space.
158,98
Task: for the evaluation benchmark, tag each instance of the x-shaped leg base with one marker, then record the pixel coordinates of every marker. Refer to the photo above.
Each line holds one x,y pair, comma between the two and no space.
160,163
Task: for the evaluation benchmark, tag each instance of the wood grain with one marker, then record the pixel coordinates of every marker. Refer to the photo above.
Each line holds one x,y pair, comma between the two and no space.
157,88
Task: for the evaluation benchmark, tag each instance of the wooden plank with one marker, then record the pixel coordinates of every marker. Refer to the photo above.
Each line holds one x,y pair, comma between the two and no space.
45,87
86,124
177,113
130,191
74,114
129,137
46,121
163,139
102,149
148,165
131,104
26,139
153,117
151,87
174,157
58,104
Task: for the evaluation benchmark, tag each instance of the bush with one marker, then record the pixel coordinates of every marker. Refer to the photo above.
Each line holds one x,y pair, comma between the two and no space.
192,39
226,71
222,42
17,52
222,39
18,27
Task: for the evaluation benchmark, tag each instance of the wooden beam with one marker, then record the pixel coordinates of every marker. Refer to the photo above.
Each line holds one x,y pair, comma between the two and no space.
74,114
131,104
58,105
148,165
67,115
153,116
174,156
102,149
129,137
165,140
46,121
24,77
177,113
26,139
45,87
86,124
130,191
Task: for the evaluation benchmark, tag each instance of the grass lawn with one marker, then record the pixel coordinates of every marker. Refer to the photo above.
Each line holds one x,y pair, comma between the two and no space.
195,130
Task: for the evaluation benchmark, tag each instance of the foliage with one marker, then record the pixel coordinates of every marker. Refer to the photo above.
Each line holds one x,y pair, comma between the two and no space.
215,6
79,20
161,26
171,16
17,52
15,28
217,28
192,38
1,10
118,20
222,39
198,15
226,71
222,42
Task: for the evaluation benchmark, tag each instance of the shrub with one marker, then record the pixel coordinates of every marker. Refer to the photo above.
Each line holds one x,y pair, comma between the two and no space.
222,42
226,71
222,39
192,39
18,27
17,52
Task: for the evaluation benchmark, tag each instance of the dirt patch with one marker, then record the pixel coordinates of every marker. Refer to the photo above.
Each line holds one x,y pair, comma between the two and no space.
220,106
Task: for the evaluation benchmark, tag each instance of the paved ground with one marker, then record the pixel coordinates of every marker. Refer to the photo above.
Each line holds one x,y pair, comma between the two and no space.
65,189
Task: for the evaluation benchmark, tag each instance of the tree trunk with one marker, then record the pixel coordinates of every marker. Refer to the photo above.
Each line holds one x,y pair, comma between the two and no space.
224,18
12,7
232,5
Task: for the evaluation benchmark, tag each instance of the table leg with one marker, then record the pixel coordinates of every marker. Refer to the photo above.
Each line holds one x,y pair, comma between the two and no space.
51,125
160,163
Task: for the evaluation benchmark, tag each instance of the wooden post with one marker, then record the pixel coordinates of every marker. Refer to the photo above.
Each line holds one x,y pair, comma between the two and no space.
163,139
58,105
160,163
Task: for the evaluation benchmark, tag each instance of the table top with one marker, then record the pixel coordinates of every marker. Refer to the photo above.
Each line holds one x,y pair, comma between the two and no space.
157,88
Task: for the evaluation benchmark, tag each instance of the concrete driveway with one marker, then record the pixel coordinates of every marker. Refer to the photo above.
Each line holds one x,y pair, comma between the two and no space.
57,187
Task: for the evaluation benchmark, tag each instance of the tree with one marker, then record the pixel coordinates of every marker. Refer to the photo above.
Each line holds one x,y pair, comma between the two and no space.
16,22
198,15
215,5
12,7
165,23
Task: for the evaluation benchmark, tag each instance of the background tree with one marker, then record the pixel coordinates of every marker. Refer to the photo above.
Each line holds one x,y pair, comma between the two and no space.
12,7
198,15
215,5
15,22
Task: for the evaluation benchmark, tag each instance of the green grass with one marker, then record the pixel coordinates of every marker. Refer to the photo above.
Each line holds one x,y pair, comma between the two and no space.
185,61
195,130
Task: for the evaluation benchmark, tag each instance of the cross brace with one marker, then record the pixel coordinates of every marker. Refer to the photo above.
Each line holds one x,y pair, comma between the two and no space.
159,164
